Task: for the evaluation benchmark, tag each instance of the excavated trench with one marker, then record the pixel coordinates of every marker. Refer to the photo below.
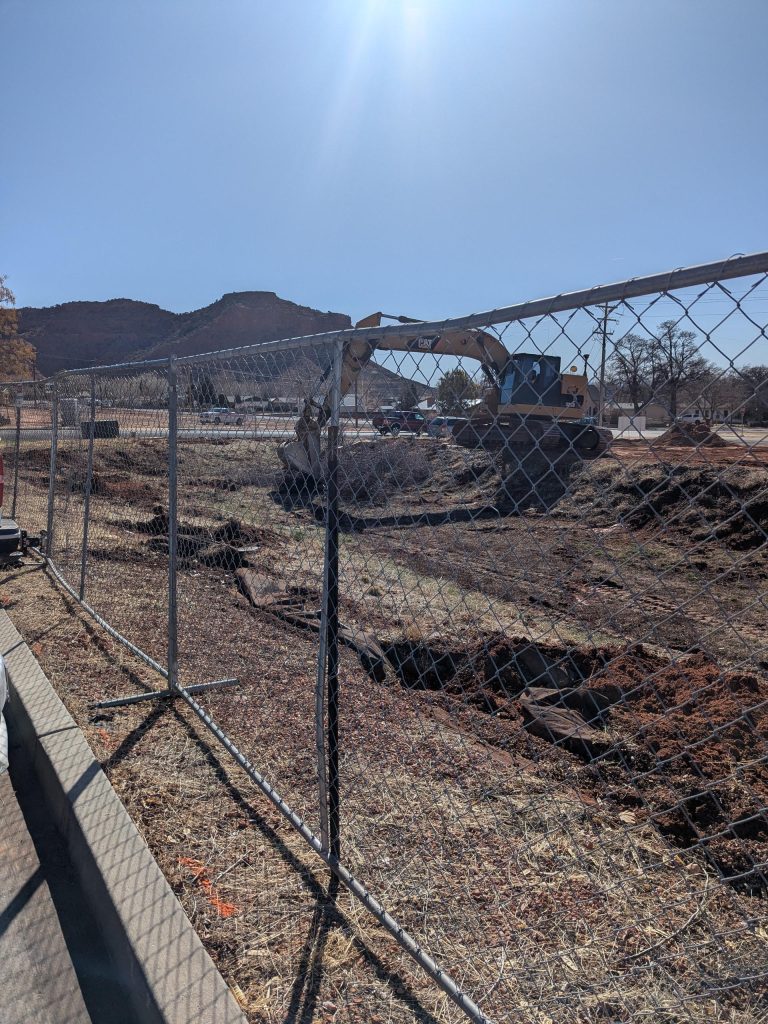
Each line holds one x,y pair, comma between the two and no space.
680,743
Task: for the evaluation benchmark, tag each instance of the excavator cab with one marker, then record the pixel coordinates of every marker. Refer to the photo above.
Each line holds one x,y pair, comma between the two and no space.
531,379
533,385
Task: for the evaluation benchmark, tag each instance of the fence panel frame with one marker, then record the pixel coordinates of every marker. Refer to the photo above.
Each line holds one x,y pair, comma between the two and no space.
328,698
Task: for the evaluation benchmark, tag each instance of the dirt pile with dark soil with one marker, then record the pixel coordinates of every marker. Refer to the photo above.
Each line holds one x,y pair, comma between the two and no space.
383,471
681,743
702,504
405,473
723,503
690,435
699,762
229,546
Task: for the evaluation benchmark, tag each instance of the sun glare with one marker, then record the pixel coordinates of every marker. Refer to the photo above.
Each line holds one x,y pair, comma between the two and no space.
382,36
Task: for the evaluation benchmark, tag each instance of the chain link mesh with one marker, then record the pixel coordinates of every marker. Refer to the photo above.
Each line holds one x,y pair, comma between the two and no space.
516,674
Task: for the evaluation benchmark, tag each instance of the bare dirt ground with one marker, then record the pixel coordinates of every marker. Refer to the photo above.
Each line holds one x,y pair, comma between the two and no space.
547,778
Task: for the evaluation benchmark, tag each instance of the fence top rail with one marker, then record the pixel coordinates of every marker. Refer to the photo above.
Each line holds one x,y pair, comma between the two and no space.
672,280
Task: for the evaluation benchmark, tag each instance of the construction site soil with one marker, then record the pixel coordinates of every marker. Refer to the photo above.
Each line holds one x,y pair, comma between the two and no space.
553,722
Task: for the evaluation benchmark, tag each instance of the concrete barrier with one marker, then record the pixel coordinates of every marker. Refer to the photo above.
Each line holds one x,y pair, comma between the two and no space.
165,971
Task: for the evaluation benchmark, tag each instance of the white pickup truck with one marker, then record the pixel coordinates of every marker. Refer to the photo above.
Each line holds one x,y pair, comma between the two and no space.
220,414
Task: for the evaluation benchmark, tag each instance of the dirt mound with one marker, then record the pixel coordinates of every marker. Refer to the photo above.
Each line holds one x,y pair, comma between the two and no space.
223,547
689,435
145,457
702,504
382,471
700,770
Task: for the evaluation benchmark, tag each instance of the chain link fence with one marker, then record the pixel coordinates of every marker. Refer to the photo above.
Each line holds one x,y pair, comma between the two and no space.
493,591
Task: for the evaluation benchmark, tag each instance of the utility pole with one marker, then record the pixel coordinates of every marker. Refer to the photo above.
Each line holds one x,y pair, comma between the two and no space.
604,334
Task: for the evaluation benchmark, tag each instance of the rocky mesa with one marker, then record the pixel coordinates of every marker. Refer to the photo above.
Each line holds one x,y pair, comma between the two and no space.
97,333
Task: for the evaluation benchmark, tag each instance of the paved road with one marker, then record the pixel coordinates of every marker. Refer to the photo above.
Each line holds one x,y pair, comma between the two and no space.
8,434
750,436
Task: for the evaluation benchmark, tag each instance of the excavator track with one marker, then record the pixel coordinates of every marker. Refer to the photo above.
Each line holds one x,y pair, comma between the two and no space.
519,435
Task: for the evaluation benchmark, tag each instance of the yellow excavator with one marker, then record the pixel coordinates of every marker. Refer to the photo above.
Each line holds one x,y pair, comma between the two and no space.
527,404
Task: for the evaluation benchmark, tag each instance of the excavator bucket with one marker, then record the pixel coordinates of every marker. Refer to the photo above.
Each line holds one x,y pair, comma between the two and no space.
303,458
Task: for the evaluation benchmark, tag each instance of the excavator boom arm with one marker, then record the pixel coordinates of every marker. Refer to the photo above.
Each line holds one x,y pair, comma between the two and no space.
470,344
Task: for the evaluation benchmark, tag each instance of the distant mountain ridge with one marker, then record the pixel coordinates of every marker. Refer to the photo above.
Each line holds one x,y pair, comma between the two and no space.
76,334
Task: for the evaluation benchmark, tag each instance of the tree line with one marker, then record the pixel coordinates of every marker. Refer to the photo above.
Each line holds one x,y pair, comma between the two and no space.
668,367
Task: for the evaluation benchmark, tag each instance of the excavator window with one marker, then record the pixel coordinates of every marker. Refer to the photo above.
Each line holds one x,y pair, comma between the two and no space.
531,379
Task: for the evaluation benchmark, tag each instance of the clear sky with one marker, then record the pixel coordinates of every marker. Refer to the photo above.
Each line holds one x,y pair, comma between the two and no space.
429,157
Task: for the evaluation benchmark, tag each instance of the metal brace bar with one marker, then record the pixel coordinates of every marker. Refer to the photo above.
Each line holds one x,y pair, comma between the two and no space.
137,698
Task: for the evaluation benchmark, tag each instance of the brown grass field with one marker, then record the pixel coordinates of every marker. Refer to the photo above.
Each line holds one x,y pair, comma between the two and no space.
613,872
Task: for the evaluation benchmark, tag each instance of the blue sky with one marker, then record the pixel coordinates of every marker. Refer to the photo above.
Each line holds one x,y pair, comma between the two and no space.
430,157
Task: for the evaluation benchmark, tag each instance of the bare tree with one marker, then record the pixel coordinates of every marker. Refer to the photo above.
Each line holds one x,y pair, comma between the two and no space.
630,367
676,362
755,396
714,392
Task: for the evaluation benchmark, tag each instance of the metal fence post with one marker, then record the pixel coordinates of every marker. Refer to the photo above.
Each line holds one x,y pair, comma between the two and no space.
52,478
332,621
328,627
17,440
88,486
320,737
173,639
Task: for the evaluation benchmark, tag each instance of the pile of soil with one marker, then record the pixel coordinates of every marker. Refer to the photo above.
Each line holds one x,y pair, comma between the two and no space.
689,435
697,737
117,472
390,471
699,504
223,547
682,743
401,471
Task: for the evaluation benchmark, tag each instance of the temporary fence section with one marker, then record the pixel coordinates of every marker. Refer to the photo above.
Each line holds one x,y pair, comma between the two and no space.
494,593
250,569
25,425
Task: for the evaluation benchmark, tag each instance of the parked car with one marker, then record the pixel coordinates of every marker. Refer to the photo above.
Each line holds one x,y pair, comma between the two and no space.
442,426
393,421
220,414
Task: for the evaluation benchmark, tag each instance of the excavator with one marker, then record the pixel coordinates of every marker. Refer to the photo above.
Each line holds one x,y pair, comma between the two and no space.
528,404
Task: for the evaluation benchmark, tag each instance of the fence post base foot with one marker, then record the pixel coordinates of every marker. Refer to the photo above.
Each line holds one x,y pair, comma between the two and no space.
137,698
